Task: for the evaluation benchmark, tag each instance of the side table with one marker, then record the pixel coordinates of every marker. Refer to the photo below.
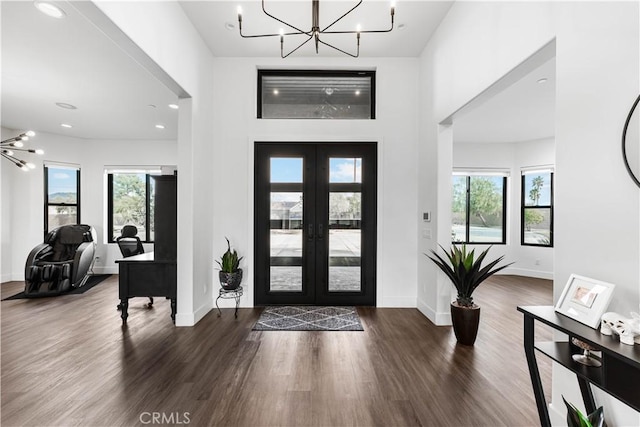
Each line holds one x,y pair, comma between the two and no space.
228,294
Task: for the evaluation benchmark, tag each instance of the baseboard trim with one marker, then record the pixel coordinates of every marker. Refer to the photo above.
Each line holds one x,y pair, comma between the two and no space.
190,319
536,274
105,270
438,319
185,319
557,418
398,302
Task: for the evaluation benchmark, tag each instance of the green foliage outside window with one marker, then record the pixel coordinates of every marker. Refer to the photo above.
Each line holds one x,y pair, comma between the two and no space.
537,208
129,199
478,199
132,202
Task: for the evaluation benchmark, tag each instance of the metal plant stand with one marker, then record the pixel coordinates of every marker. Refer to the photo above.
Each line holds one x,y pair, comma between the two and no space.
229,294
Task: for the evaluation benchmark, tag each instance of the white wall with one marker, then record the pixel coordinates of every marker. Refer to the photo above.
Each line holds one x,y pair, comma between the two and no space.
598,69
528,261
598,77
165,35
395,129
25,224
6,201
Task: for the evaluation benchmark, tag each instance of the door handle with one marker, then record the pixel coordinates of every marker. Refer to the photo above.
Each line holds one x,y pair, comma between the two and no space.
320,231
310,231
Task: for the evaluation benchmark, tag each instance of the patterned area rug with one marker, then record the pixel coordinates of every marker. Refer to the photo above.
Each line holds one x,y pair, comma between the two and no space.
308,318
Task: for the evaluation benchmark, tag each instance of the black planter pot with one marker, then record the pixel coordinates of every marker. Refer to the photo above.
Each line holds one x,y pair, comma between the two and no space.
465,322
230,281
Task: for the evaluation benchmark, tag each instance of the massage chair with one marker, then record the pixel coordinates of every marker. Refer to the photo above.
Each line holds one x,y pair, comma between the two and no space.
62,262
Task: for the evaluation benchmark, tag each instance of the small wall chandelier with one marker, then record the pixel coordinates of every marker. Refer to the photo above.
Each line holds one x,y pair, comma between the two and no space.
315,31
11,145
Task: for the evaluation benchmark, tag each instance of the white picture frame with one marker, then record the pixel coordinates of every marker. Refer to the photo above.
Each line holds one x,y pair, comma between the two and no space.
585,299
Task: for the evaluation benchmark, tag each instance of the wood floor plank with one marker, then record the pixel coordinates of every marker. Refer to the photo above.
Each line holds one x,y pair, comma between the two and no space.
68,361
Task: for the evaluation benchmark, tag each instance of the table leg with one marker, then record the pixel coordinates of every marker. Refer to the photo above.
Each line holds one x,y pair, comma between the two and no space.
173,310
538,392
219,312
587,395
124,305
237,304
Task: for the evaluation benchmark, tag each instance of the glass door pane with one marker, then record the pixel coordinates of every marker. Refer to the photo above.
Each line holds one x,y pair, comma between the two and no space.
345,241
286,242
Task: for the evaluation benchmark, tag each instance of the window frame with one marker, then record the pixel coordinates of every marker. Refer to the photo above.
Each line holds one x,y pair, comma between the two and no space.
524,207
467,175
47,203
316,73
148,174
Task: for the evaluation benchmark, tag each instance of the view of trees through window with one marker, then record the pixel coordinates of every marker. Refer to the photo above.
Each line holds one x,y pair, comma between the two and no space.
537,208
478,209
61,196
131,202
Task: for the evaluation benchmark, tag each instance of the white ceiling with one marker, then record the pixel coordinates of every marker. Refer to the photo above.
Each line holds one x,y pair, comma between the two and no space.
47,60
523,111
418,19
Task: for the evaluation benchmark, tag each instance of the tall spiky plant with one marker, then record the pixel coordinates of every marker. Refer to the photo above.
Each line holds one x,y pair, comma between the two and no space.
229,262
466,271
575,418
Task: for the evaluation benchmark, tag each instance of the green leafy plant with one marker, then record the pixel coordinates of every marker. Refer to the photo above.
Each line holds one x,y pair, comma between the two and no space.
575,418
465,270
229,262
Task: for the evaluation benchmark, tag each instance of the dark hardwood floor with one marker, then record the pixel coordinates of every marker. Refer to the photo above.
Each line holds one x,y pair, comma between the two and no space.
67,361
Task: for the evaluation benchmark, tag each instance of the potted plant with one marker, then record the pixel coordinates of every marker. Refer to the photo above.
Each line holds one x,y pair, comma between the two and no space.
466,273
230,271
575,418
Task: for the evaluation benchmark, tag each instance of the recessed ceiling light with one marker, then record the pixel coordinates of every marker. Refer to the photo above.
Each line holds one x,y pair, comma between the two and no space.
65,125
49,9
160,126
229,26
275,91
543,80
174,106
357,92
66,106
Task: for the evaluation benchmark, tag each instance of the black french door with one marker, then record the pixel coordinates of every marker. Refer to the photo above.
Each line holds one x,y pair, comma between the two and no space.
315,223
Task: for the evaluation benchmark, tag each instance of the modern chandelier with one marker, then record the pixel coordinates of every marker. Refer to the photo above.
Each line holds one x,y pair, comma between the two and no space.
11,145
315,32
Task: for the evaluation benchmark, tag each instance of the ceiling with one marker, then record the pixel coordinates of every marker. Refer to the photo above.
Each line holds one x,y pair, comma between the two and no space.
524,111
217,22
47,61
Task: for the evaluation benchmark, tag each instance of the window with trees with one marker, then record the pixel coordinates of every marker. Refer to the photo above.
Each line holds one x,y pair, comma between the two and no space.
61,196
478,208
537,208
130,202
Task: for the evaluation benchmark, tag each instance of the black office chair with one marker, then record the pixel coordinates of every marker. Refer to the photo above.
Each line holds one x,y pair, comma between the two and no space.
130,245
62,262
129,242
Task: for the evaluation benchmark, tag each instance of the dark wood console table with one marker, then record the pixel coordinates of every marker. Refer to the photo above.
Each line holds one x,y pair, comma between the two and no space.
143,276
619,374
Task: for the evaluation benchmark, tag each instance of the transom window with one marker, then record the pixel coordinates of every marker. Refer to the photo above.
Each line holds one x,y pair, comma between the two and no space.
478,208
537,207
304,94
